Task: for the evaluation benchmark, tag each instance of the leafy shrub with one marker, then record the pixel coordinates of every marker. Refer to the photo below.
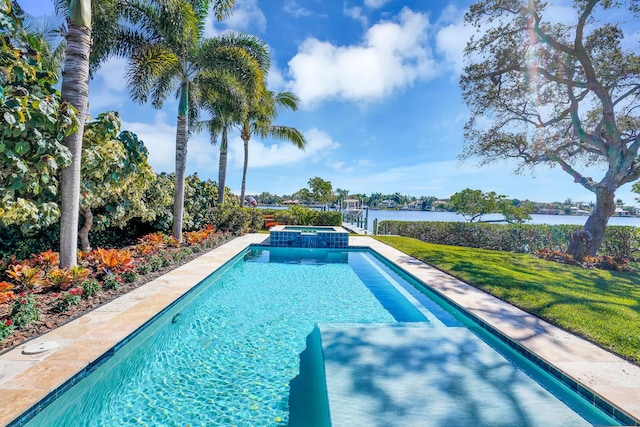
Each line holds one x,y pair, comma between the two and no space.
112,281
285,217
144,268
130,275
329,218
605,262
59,278
24,311
113,260
234,219
303,216
90,287
27,276
6,328
67,299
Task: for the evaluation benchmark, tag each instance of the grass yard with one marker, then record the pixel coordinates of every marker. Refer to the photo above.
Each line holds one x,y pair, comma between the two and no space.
601,306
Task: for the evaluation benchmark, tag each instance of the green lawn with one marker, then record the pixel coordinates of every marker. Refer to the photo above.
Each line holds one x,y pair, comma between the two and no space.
602,306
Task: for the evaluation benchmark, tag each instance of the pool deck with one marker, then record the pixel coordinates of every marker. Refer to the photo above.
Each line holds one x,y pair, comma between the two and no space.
26,379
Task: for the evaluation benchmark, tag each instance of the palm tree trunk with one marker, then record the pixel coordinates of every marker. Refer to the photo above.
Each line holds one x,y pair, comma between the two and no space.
75,90
222,166
181,161
181,167
244,170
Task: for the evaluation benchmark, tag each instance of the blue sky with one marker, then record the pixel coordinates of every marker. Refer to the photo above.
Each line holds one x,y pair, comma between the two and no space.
382,109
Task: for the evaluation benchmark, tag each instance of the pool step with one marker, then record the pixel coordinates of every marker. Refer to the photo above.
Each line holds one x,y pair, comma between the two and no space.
416,375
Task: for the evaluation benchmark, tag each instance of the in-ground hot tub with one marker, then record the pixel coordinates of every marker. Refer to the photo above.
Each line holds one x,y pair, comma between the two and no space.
299,236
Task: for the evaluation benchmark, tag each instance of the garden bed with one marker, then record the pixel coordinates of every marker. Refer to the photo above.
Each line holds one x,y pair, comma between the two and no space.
47,299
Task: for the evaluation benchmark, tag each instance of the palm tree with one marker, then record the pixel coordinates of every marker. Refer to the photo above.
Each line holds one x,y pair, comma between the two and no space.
80,56
259,122
168,52
226,100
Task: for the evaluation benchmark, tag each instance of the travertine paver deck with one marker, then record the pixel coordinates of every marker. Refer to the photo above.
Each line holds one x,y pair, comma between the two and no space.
24,380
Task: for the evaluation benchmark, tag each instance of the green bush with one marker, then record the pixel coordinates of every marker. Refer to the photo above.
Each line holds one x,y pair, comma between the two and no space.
24,311
90,287
328,218
6,328
231,218
112,281
619,241
285,217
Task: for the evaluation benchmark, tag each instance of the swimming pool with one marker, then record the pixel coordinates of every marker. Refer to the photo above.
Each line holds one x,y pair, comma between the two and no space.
226,353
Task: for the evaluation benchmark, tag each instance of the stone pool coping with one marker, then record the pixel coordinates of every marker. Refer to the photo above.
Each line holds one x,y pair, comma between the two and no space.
26,379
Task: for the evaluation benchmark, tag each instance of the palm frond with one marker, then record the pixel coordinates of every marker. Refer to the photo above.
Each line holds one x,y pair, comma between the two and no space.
286,100
150,62
286,133
222,9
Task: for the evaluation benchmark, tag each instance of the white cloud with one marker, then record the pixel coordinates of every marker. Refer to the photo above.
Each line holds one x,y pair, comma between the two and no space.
355,166
393,55
293,8
109,87
452,38
319,145
355,12
275,79
375,4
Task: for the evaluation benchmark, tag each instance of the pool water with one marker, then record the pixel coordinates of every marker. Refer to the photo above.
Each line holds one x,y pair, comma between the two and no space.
226,353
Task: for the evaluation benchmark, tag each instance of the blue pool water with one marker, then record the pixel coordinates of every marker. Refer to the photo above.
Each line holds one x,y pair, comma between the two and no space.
226,353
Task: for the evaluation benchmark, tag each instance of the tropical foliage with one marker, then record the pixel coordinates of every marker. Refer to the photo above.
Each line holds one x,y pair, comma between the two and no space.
33,123
115,176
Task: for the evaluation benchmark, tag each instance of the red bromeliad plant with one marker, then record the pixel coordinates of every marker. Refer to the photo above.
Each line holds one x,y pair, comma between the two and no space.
195,237
47,260
145,249
27,276
78,274
114,260
155,239
5,292
59,278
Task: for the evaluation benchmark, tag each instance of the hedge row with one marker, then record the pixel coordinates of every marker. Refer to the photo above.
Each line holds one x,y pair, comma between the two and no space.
230,218
297,215
619,241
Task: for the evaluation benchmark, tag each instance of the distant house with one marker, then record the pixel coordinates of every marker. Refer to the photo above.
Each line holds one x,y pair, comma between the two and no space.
622,212
577,211
412,206
390,204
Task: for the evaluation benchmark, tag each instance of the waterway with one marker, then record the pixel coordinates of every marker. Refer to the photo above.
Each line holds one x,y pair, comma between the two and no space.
383,215
406,215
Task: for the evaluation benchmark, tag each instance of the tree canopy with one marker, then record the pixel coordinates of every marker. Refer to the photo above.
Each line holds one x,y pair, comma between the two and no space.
562,94
473,204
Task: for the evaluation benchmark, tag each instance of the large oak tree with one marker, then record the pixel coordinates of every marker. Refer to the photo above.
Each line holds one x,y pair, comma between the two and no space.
563,94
